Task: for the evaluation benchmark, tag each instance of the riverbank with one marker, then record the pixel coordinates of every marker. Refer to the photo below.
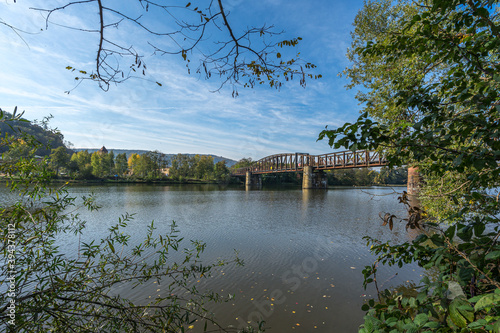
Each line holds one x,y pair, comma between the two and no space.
137,181
233,181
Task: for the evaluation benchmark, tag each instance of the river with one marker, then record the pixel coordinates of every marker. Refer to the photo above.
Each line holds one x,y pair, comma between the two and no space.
303,249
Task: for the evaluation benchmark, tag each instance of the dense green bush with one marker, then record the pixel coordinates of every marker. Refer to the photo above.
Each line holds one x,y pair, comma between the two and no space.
431,99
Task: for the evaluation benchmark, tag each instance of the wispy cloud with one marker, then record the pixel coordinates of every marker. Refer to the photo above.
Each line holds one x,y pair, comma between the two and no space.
182,115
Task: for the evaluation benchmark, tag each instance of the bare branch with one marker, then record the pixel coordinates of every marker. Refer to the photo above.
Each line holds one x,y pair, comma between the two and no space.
264,64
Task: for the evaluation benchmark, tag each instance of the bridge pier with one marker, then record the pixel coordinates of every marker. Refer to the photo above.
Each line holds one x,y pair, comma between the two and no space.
253,180
311,179
413,186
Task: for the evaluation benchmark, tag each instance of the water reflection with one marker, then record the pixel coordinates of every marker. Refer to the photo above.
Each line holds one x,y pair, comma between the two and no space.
303,249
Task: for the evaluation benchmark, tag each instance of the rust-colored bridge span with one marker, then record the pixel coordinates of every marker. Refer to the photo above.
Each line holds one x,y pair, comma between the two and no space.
296,162
311,166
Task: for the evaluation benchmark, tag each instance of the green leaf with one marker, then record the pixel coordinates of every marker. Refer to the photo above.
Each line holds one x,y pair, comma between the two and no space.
458,315
369,326
432,324
421,319
493,255
478,324
110,244
496,327
488,301
479,229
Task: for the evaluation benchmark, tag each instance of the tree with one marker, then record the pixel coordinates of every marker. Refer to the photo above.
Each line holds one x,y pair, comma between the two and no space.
59,158
143,166
243,163
81,162
156,162
98,164
394,176
350,177
253,56
449,127
108,161
18,149
380,74
205,167
121,165
181,167
221,171
133,162
364,176
148,165
341,177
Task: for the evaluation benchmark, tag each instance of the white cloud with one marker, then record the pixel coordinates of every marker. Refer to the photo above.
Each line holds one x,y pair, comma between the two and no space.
182,115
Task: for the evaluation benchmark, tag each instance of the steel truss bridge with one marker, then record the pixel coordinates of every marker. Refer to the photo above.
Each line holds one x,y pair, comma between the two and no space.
296,162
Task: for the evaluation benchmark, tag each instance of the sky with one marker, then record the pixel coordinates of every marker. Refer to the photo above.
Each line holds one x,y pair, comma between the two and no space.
183,115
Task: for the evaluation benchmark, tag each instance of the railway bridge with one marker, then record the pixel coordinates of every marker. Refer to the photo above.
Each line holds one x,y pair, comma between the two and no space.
313,166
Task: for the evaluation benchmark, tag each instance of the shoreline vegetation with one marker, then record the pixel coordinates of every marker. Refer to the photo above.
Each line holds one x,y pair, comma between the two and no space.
186,182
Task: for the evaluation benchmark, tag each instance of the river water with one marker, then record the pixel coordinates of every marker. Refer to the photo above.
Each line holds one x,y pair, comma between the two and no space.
303,249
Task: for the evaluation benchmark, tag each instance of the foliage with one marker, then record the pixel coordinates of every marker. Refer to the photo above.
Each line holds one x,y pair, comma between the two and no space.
243,163
148,165
198,167
121,164
394,176
32,133
464,296
431,99
133,161
18,149
351,177
281,178
367,177
222,172
80,165
98,164
59,157
51,290
204,167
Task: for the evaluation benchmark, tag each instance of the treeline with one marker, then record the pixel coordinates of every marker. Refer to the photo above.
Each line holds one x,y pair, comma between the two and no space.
201,167
152,165
367,177
103,164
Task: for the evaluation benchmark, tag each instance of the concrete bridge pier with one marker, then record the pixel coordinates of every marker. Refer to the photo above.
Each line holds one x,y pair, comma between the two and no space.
413,186
311,179
253,180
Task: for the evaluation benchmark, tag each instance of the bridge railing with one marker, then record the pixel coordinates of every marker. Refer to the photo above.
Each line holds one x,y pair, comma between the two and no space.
347,159
291,162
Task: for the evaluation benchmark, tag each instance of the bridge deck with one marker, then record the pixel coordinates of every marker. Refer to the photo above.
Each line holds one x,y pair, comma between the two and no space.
295,162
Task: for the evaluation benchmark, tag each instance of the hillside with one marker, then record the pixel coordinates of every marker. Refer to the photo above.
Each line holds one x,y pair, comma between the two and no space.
46,138
128,152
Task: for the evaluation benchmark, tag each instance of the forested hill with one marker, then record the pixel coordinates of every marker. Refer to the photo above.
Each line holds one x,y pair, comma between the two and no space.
46,138
128,152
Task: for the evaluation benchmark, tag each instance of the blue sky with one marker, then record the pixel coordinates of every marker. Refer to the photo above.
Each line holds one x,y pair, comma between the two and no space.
183,115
